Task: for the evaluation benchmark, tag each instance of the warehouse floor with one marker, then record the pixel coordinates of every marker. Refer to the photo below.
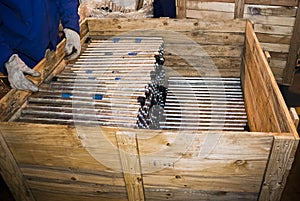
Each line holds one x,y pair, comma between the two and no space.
292,190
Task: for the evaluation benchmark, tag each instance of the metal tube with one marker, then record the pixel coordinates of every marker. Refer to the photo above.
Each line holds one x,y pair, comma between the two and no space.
170,108
202,128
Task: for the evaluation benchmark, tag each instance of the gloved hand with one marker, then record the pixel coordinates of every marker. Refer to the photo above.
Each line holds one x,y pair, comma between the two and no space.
16,69
73,46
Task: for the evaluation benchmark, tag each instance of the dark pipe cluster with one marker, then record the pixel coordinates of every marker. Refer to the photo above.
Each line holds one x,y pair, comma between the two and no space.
152,104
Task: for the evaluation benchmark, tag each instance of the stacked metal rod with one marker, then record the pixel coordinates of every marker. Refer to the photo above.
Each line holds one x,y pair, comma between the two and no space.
204,103
122,82
102,87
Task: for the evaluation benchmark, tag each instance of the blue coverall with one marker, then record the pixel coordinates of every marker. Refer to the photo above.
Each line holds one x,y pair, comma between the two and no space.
29,27
164,8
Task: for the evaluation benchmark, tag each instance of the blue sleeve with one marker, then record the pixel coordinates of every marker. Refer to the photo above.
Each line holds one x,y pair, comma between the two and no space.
68,10
164,8
5,53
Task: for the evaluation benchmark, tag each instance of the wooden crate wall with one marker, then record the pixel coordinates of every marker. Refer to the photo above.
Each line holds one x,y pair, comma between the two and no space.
274,23
191,51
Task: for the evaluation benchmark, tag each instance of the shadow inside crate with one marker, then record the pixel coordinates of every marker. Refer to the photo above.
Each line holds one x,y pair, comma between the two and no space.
5,194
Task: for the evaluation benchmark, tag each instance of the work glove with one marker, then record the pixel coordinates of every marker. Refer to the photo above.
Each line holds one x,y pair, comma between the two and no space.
73,46
16,77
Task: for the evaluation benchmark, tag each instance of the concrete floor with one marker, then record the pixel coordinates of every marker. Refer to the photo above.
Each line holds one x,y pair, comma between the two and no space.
292,190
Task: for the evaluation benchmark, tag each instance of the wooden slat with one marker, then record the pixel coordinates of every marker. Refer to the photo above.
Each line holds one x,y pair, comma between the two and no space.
264,10
53,159
274,2
239,8
76,191
279,165
220,166
139,4
294,52
181,9
210,6
271,29
130,161
262,2
121,25
268,56
206,15
261,79
10,171
294,116
271,20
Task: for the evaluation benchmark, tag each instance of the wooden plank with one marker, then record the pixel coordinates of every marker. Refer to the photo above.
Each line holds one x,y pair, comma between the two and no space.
181,9
268,56
207,15
50,155
239,8
139,4
274,2
210,6
271,20
76,191
260,2
273,29
294,116
212,63
121,25
278,109
11,173
260,110
224,167
204,50
279,165
272,38
129,155
294,52
264,10
88,178
73,184
273,47
46,195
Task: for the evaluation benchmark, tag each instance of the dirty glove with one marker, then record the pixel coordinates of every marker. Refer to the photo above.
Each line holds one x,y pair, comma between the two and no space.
16,69
73,46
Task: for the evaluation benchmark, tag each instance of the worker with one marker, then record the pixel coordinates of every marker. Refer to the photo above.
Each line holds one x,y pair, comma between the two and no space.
164,8
30,27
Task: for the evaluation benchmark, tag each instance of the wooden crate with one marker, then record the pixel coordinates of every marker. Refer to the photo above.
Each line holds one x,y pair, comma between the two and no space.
57,162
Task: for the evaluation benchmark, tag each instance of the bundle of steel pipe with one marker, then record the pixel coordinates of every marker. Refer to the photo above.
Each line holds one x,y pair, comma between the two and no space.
122,82
101,87
204,103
